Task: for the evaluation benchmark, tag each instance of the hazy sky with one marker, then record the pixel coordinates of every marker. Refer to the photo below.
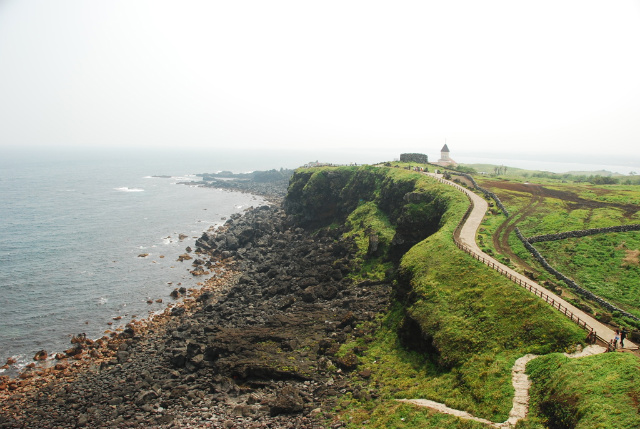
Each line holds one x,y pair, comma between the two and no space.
531,78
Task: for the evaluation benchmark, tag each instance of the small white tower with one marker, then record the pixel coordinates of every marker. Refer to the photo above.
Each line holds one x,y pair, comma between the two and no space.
445,160
444,154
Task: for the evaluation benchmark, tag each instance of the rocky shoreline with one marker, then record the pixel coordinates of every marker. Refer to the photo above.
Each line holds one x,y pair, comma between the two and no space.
256,347
271,185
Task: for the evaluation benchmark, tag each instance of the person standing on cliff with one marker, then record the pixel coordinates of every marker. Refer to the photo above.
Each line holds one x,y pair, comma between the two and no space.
623,335
616,339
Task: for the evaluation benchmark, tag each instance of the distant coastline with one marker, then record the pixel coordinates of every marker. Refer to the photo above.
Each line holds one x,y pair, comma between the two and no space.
552,166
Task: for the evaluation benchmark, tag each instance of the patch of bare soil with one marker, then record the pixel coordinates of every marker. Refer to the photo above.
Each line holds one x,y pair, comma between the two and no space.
632,257
571,198
538,195
501,236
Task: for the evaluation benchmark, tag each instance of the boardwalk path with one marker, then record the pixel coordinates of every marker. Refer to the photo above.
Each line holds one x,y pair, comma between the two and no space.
466,239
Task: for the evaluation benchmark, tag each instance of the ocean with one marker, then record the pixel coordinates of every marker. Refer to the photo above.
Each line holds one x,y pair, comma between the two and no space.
72,227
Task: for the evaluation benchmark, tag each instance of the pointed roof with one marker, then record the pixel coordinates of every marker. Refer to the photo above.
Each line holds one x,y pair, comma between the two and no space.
444,148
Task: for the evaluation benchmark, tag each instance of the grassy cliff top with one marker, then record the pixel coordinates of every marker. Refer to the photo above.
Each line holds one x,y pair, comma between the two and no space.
456,327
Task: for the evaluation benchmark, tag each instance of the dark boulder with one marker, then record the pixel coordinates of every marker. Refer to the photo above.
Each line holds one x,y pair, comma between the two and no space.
287,401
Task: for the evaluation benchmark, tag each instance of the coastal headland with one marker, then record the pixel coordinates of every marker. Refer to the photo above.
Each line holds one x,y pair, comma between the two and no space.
327,308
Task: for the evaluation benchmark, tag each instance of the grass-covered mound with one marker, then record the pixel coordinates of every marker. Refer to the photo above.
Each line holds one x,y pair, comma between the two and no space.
456,327
601,391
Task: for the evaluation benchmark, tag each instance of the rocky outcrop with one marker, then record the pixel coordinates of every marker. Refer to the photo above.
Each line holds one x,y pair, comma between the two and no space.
41,355
320,198
269,184
292,280
262,350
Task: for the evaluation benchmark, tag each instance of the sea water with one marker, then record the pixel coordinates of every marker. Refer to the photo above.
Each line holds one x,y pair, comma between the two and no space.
73,227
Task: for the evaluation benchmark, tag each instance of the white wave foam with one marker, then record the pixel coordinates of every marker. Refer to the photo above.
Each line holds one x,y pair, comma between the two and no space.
126,189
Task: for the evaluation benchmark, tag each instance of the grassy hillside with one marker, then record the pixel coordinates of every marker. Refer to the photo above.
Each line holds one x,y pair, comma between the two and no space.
605,264
601,391
456,327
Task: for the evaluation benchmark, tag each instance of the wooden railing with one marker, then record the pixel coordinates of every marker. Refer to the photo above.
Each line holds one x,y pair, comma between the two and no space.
492,263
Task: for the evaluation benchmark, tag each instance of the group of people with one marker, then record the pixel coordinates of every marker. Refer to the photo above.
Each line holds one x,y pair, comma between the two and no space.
618,338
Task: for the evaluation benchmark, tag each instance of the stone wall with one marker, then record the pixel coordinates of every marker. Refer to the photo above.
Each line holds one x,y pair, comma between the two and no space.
418,158
573,285
583,233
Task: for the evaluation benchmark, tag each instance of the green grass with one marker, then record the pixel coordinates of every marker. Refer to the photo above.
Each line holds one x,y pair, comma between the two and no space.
557,215
478,322
593,262
475,323
396,415
489,226
366,219
600,391
545,177
597,263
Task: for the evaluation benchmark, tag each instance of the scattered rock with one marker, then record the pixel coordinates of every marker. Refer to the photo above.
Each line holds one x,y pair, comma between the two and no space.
253,348
41,355
288,401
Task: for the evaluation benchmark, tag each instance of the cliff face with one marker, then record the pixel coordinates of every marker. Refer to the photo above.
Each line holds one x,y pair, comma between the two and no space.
322,197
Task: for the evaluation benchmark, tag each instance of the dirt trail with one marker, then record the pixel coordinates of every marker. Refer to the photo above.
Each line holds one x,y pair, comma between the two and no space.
501,236
539,193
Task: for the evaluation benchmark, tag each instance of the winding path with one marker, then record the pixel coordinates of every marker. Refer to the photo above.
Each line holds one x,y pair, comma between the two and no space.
521,385
466,240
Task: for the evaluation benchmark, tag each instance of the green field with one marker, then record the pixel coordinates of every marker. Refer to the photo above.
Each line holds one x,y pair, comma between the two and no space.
606,264
595,262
